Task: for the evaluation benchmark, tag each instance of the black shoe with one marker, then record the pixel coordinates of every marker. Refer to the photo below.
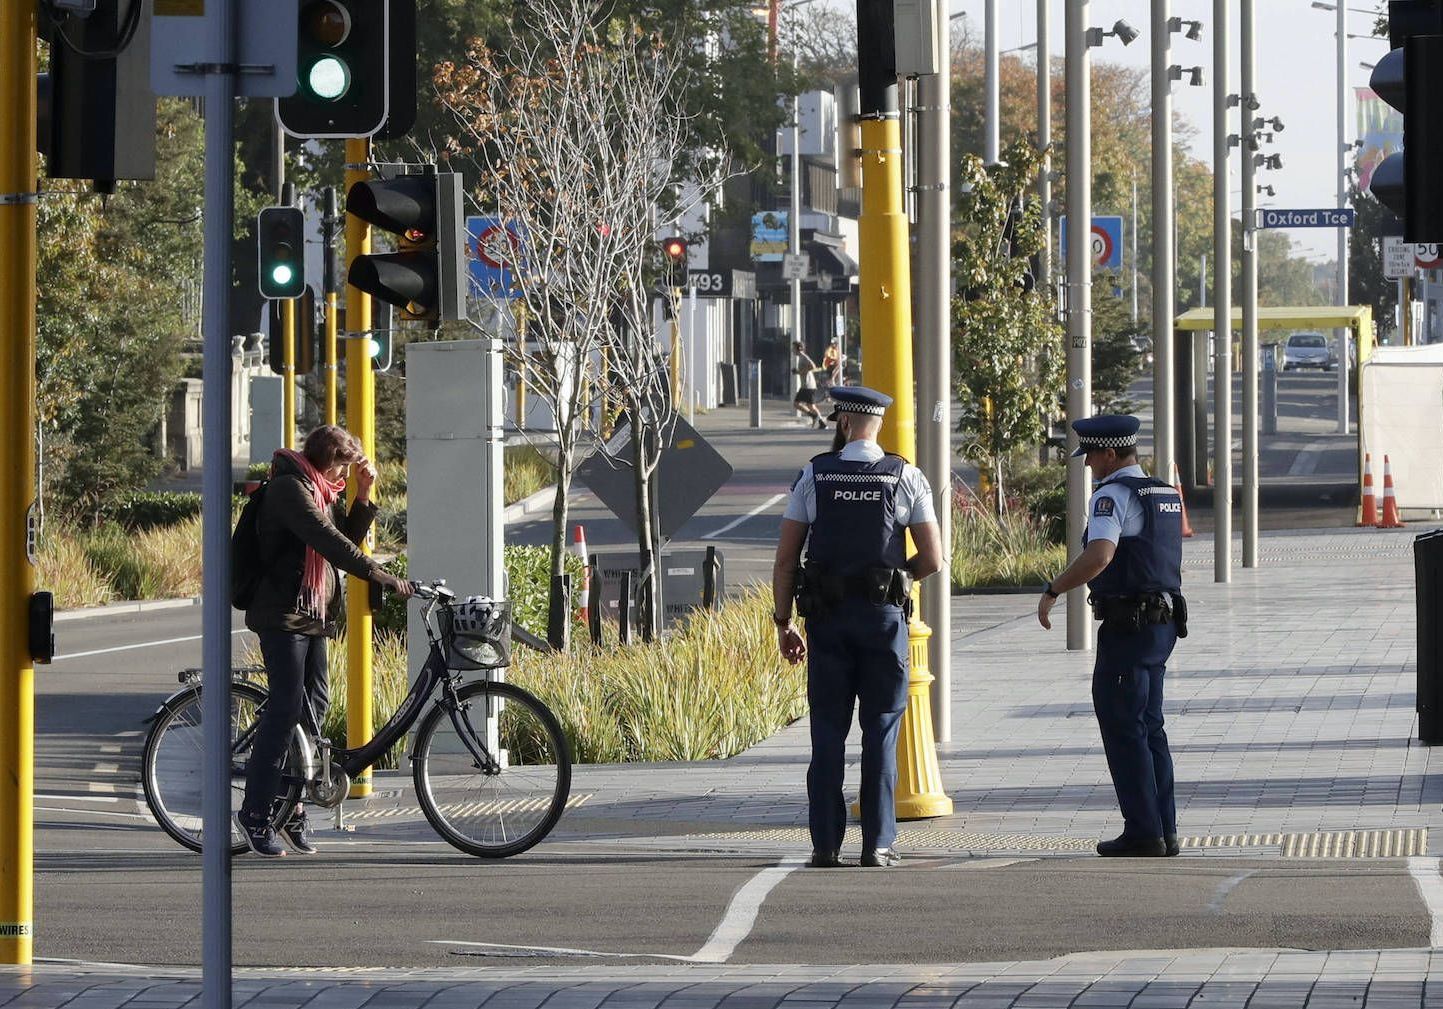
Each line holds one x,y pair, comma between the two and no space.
297,833
881,858
260,837
1173,847
1123,846
825,860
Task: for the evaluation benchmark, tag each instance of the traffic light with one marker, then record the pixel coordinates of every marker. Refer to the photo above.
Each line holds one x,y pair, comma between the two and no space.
1410,78
426,276
342,69
281,244
305,334
674,261
379,342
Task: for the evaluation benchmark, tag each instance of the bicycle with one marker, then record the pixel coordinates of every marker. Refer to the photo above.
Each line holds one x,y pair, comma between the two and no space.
491,767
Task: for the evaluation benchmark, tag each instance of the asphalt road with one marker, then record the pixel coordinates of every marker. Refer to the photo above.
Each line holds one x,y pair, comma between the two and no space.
112,887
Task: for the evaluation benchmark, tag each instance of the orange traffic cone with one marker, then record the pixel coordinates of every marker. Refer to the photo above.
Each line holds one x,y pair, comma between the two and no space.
578,547
1177,484
1370,500
1390,500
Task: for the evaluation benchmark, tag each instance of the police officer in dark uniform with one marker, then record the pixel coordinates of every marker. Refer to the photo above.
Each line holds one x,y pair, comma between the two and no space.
852,507
1132,565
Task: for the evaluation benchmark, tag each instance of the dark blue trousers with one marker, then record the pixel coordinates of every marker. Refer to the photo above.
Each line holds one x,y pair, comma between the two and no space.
295,673
855,653
1127,696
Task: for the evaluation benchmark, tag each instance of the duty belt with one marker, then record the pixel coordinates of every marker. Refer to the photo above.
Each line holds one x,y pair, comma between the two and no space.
1132,613
818,591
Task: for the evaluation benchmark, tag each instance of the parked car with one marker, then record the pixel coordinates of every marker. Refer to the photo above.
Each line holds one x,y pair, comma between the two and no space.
1142,343
1309,350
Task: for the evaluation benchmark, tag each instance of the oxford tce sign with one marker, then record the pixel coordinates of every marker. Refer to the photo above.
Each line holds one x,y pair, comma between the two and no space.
1327,217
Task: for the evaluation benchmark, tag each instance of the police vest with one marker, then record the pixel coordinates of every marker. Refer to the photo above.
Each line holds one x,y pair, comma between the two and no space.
1151,561
856,526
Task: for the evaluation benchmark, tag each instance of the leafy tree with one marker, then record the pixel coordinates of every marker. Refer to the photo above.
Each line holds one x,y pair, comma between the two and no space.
1007,344
1366,283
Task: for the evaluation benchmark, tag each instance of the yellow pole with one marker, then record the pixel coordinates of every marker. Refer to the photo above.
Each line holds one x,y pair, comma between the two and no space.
329,365
361,421
18,185
885,288
288,373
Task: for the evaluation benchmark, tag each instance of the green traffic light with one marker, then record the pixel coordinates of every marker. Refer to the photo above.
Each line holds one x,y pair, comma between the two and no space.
329,78
282,274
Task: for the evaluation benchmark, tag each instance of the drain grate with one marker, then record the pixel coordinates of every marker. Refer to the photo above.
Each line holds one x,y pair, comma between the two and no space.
1402,843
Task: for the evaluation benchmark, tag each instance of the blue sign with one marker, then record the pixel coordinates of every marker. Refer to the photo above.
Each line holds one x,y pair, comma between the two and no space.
1328,217
1106,242
769,236
491,248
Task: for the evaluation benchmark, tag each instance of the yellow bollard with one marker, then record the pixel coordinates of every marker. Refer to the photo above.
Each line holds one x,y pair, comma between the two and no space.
885,287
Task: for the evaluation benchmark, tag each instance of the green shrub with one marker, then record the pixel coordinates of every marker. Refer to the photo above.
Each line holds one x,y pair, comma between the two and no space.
992,551
64,569
141,510
525,471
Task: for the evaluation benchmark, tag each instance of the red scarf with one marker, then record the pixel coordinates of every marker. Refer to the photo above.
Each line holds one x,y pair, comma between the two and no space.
313,598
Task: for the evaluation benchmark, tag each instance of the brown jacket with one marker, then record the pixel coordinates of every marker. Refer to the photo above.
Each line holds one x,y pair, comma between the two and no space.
289,522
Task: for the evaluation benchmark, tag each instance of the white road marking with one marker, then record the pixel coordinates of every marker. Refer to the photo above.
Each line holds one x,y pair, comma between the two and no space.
741,914
749,515
95,812
142,644
1305,462
556,950
1215,906
78,798
1430,888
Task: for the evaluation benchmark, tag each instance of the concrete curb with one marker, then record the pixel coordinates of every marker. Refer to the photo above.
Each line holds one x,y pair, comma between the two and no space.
527,507
134,606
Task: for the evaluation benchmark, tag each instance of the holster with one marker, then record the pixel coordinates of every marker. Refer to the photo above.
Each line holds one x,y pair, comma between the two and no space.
818,591
1130,614
1179,615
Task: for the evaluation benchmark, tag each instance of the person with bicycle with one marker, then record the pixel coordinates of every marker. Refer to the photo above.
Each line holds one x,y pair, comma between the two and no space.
305,534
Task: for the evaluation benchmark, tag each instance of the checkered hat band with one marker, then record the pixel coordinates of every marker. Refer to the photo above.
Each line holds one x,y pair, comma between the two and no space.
868,408
1120,442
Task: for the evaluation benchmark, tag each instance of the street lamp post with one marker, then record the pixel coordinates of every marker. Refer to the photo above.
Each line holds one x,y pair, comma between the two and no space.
991,142
1079,295
1222,308
1343,147
1044,141
1249,129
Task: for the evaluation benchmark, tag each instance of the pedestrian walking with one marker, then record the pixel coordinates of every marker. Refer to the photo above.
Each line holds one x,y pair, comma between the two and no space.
1131,563
295,606
805,400
852,508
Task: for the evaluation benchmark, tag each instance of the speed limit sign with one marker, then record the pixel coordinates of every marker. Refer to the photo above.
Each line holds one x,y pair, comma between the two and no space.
1428,255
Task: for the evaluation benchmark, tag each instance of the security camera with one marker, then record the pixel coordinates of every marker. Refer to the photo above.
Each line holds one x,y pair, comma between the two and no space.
1126,32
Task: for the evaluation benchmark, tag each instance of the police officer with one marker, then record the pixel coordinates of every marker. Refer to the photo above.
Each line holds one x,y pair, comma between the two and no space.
1132,565
852,507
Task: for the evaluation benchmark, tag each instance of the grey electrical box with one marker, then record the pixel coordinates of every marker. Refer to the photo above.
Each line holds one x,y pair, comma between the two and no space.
918,26
454,515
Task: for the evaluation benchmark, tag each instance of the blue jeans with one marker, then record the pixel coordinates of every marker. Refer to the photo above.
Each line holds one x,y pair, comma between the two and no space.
1127,697
296,672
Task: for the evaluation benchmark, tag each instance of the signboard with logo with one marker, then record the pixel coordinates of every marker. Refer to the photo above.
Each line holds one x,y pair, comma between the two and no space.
1397,258
769,236
1106,239
491,247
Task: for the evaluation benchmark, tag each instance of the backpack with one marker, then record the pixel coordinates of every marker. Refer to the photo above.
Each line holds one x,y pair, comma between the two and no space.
246,567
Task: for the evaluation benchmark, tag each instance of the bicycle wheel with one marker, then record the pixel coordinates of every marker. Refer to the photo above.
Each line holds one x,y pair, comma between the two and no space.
172,764
492,775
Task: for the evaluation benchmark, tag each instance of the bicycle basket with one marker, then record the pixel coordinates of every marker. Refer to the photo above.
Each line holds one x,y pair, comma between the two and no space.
480,633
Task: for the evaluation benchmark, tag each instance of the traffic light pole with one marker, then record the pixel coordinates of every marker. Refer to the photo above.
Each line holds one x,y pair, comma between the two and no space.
329,368
18,195
1079,297
885,289
1341,335
361,422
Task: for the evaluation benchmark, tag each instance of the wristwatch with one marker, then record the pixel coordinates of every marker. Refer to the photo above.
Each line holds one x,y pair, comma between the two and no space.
1047,591
781,621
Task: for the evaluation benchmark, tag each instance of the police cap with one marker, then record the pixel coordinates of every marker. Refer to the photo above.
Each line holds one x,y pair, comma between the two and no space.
858,399
1107,430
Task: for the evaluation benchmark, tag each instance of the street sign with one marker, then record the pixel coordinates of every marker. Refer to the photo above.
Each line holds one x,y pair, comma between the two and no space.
180,46
795,267
1397,258
1428,256
1326,217
491,249
739,284
1106,242
689,473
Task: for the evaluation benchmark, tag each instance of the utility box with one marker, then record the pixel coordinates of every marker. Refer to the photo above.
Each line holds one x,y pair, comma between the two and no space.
917,24
1428,566
454,446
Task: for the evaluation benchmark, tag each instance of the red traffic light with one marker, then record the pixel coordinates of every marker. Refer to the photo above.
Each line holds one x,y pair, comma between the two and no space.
674,249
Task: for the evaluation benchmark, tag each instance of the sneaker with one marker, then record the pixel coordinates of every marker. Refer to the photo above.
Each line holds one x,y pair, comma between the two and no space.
297,833
261,838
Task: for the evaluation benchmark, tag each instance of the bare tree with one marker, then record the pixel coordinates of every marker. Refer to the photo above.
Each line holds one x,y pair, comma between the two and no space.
578,136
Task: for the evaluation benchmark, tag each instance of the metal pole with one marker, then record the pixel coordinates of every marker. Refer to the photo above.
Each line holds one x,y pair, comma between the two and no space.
1200,370
1044,140
328,273
19,184
361,422
1341,335
934,430
287,197
991,142
1163,265
216,505
1247,22
1079,298
1134,250
1222,308
794,230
